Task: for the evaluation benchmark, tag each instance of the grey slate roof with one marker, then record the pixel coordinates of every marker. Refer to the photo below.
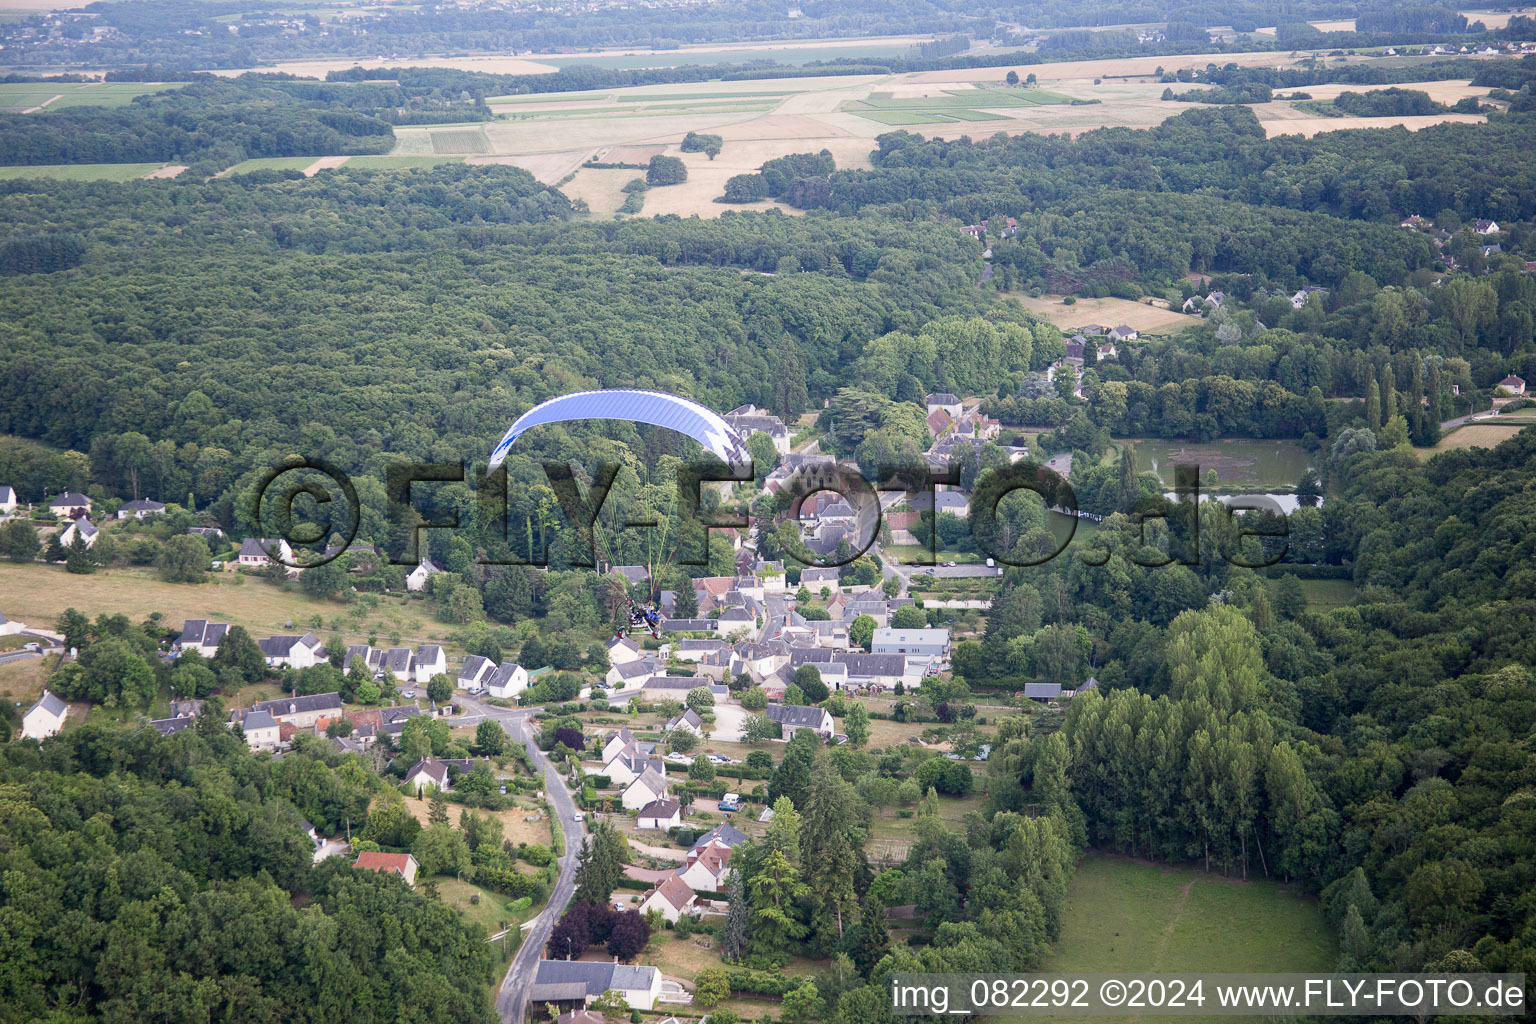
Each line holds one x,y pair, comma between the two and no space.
865,665
49,703
727,834
258,720
688,625
201,632
474,665
561,981
795,715
171,726
295,705
1042,691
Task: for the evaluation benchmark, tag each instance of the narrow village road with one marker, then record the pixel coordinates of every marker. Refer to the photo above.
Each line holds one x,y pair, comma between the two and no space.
512,998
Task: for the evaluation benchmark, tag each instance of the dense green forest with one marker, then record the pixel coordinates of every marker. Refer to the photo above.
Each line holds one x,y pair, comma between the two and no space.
147,877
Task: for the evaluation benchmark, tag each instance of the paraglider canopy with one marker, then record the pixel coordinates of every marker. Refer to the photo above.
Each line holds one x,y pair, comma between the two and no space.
653,407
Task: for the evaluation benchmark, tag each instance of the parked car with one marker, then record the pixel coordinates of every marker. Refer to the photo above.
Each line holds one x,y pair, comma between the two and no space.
578,816
408,694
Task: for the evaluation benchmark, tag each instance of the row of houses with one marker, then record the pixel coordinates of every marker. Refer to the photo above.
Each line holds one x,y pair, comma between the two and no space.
404,664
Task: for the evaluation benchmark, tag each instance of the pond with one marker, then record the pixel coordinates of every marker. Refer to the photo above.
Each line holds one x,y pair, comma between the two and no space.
1262,465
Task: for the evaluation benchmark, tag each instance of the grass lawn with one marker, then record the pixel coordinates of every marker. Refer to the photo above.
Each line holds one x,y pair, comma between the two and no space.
900,117
512,823
79,172
491,910
1134,917
36,594
22,681
1326,595
1126,915
25,95
272,163
460,141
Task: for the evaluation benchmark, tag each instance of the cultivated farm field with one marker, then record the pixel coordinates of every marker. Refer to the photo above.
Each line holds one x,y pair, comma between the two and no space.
1473,435
1110,312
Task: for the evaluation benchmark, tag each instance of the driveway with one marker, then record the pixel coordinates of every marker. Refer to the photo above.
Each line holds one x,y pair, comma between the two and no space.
728,720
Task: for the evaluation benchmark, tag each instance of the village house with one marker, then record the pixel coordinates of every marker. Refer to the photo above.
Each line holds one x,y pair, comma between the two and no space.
631,675
8,502
622,650
1124,332
615,741
747,420
507,681
290,651
140,508
427,662
70,505
428,774
688,721
728,836
402,864
630,764
698,649
201,636
44,718
84,529
931,642
1514,385
212,534
416,579
474,672
257,552
261,730
946,401
660,815
793,717
171,726
646,789
883,670
1486,227
1042,691
573,984
672,898
708,869
302,712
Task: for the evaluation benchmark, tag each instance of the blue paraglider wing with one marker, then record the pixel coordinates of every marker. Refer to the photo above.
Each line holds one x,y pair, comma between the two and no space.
653,407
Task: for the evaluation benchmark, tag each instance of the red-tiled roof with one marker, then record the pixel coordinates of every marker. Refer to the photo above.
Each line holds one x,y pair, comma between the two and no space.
374,860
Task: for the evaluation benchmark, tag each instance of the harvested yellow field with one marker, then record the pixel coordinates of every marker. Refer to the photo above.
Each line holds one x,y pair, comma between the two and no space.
547,167
603,189
1495,20
1441,92
1108,312
1473,435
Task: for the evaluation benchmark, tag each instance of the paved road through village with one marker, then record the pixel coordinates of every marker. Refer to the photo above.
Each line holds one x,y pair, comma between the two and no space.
512,999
